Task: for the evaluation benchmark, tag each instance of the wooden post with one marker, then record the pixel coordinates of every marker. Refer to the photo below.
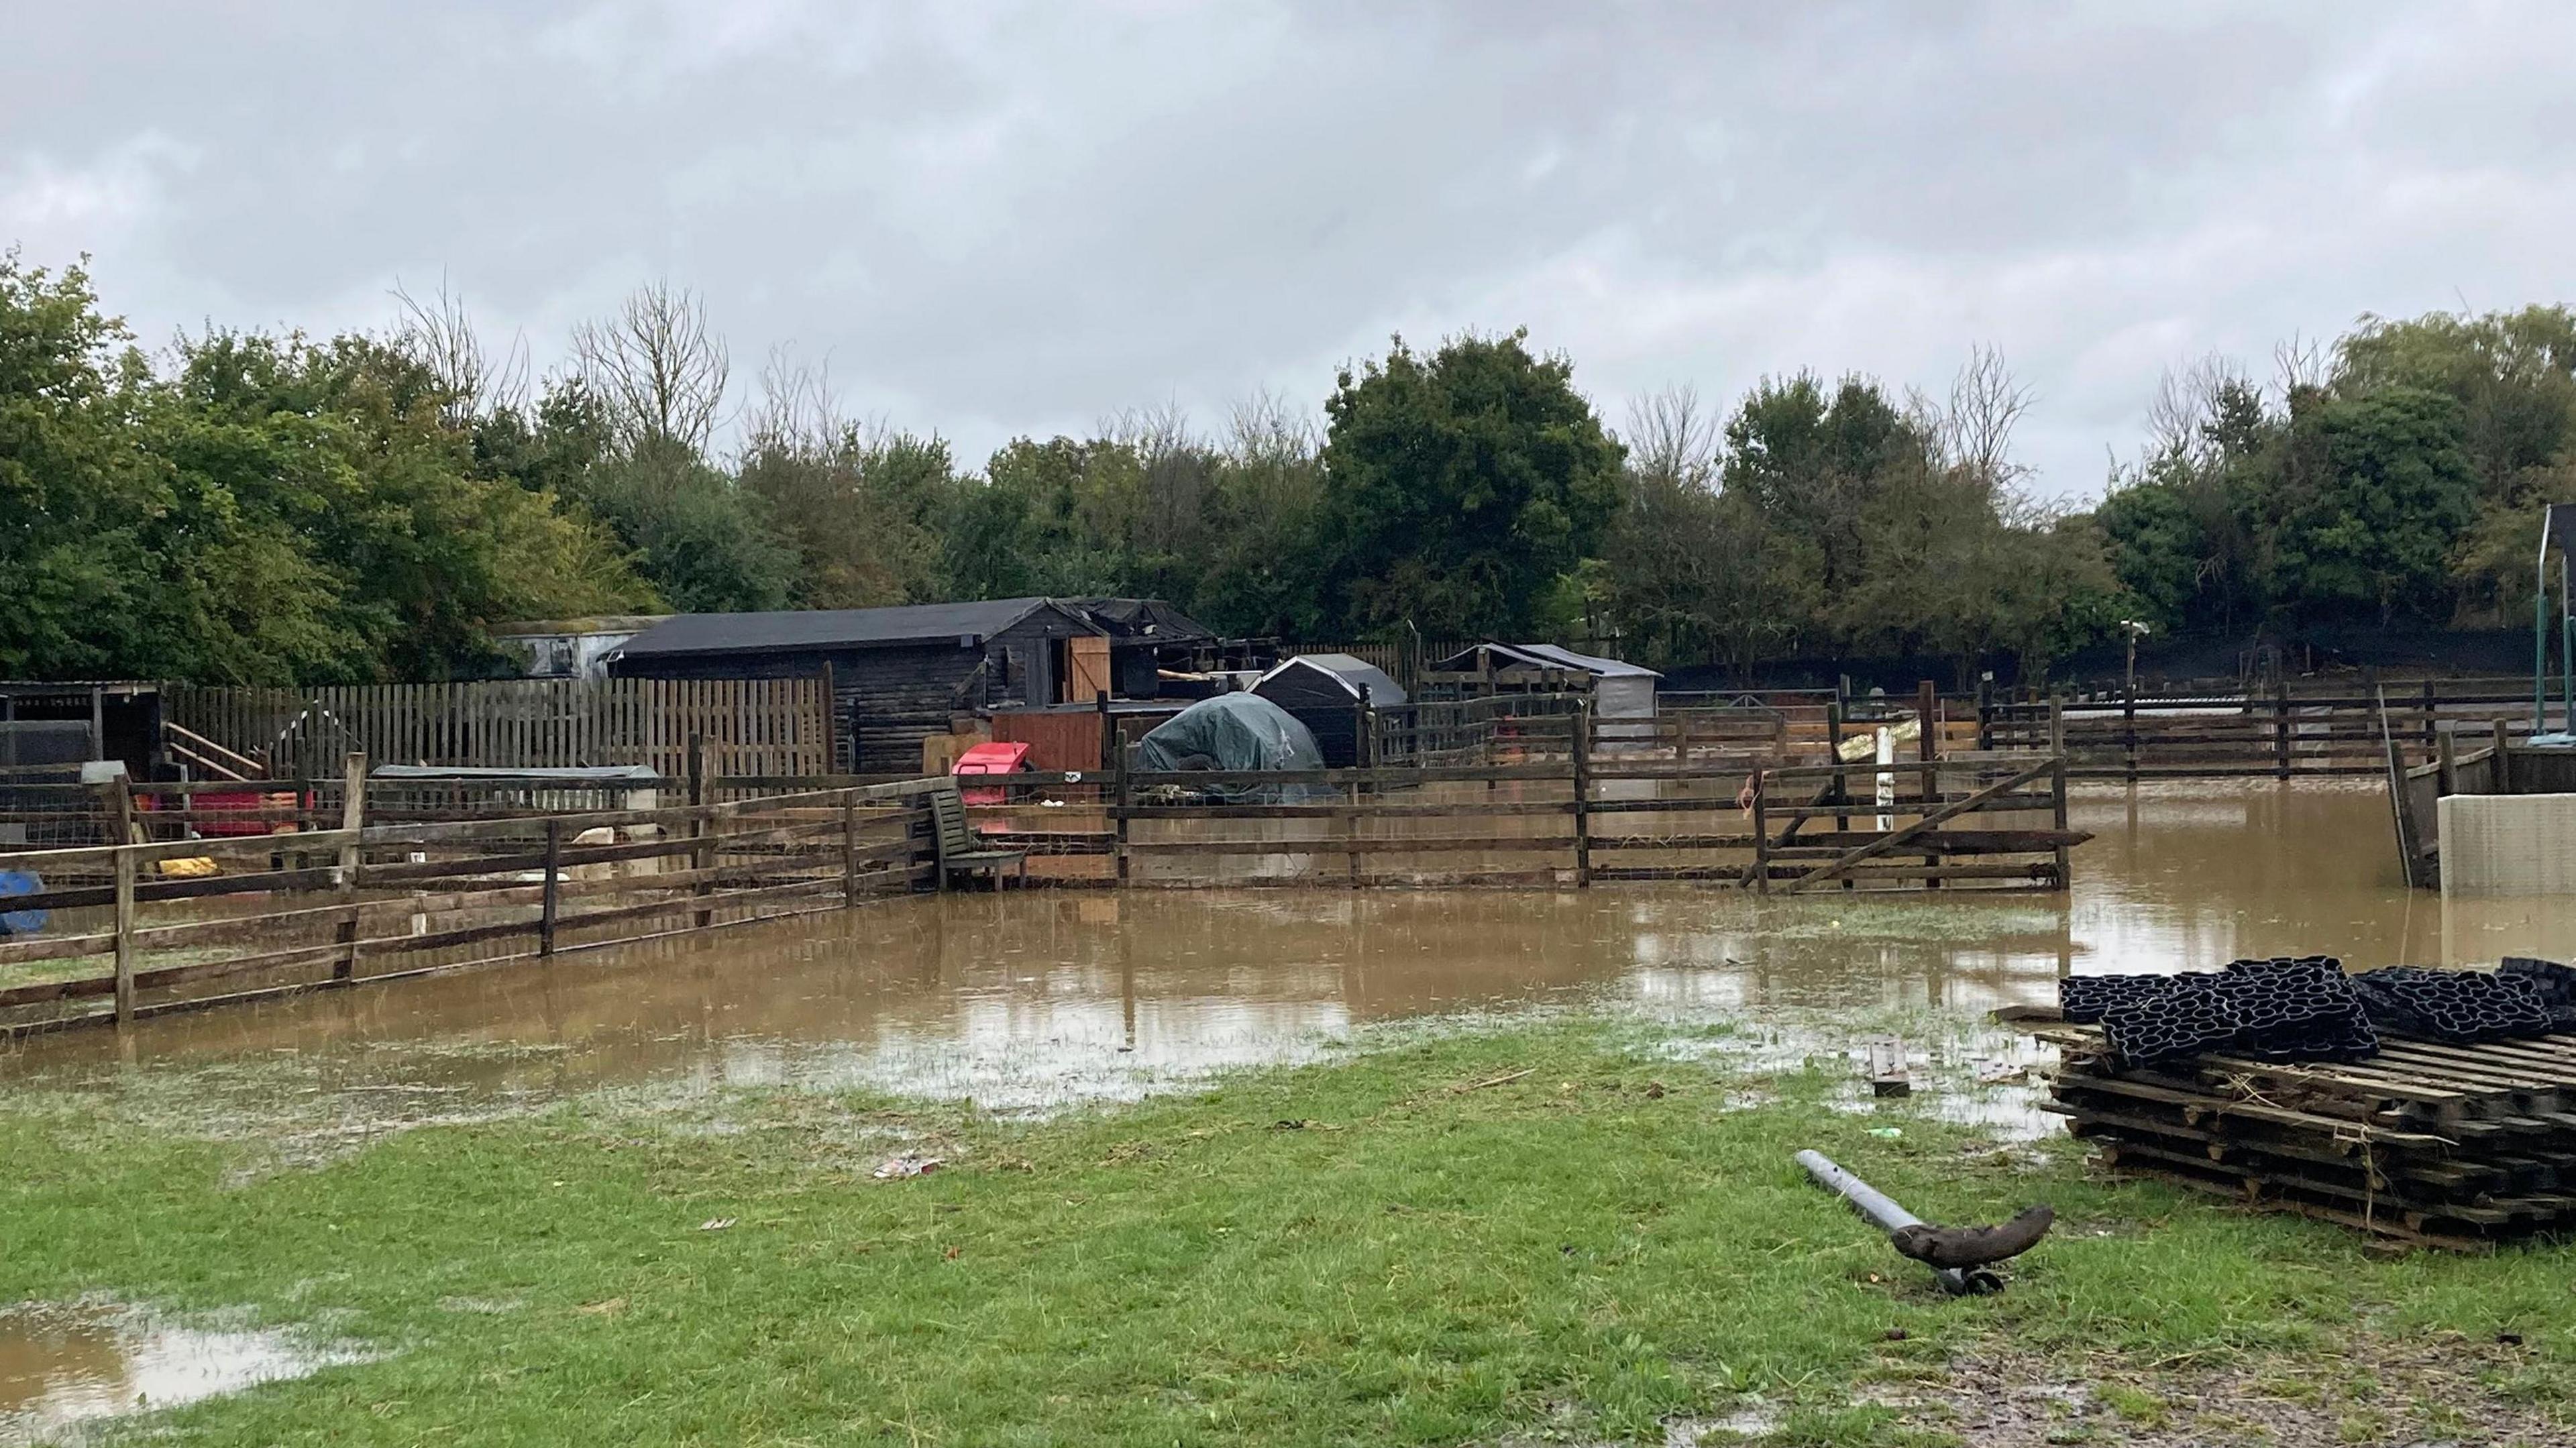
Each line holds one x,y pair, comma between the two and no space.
2432,732
1360,761
2057,788
1761,880
1122,796
2446,766
353,817
125,935
849,852
1582,771
1834,752
2129,719
1985,710
554,886
1927,714
2281,728
701,786
116,803
1108,730
2056,725
2500,773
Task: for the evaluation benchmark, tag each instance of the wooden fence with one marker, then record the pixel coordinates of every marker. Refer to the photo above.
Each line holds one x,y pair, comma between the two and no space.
2283,735
191,922
1546,805
754,726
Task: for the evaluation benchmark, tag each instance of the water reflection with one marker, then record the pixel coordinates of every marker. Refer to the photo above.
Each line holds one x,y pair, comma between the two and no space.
62,1366
1022,999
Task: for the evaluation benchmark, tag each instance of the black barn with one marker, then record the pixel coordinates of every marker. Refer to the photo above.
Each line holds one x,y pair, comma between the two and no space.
898,674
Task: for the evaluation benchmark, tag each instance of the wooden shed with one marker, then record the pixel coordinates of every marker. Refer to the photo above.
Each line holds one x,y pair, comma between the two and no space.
898,675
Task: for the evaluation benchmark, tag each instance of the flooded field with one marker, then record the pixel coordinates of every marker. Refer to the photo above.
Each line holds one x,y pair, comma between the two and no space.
63,1366
1019,1000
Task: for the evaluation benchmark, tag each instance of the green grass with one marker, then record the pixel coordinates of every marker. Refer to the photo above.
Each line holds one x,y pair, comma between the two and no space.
1569,1253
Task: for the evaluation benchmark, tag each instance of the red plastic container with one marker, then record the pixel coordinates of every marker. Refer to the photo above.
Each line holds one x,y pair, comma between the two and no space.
990,758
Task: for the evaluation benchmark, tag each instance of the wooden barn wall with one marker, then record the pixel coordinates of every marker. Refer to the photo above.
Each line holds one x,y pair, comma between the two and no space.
755,726
1059,740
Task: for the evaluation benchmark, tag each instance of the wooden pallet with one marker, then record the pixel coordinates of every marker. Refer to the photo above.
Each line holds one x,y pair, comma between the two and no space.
2424,1143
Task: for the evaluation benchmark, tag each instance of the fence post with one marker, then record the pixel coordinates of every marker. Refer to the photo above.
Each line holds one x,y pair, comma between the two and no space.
1582,771
353,817
1985,707
554,886
1761,832
2500,773
849,851
701,787
2446,766
2057,787
1120,795
2056,725
123,821
1360,742
2129,724
2280,728
2432,733
1927,713
125,864
1834,754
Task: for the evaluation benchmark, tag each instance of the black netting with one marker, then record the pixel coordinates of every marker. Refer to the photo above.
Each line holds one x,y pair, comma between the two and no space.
2283,1009
2556,984
2457,1006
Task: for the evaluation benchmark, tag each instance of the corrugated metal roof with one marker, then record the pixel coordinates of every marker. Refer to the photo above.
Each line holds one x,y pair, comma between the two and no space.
830,628
1547,656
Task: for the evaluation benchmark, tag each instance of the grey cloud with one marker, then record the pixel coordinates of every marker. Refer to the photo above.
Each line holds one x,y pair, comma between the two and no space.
1006,219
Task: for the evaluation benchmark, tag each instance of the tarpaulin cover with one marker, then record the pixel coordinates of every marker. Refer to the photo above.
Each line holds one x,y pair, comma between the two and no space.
1235,732
21,922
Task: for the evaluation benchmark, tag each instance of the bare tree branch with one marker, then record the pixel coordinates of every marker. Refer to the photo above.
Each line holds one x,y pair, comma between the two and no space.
437,332
1976,430
1671,435
656,367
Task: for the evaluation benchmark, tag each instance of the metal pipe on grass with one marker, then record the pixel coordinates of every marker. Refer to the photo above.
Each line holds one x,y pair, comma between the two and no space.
1882,1211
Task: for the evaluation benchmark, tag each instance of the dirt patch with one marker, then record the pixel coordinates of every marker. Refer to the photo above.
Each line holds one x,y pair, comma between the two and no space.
2362,1392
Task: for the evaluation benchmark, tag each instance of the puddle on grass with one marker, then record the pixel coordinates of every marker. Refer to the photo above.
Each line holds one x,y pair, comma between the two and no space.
1027,1001
63,1368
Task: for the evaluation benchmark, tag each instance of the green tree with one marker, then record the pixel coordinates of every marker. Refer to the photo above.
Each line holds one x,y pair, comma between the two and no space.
1459,487
1811,462
2378,491
702,540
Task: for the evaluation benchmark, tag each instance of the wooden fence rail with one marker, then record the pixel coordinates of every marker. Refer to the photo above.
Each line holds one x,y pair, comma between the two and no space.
2279,734
184,923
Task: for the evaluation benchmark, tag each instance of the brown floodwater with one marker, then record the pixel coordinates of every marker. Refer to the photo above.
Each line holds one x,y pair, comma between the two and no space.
1022,1000
63,1366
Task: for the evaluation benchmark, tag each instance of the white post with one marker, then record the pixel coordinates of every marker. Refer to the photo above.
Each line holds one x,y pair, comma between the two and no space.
1886,779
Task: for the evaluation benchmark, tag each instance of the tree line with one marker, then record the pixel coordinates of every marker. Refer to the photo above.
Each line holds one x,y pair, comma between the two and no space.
260,507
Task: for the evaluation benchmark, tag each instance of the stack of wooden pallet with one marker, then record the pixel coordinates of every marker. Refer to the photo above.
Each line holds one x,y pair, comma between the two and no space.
2438,1145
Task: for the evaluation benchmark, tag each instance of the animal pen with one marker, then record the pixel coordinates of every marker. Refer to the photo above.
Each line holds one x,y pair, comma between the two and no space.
369,878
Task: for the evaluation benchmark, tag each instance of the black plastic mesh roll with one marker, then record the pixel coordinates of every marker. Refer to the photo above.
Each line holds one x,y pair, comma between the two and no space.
2556,984
2284,1009
2460,1007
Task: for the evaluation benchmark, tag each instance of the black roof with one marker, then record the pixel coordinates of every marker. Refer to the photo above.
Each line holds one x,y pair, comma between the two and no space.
838,628
1141,618
1345,672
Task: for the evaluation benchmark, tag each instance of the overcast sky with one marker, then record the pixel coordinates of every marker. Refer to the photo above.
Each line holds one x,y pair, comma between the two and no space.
997,220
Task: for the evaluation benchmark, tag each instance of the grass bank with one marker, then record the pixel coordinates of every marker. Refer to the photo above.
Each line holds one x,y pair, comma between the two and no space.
1562,1231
